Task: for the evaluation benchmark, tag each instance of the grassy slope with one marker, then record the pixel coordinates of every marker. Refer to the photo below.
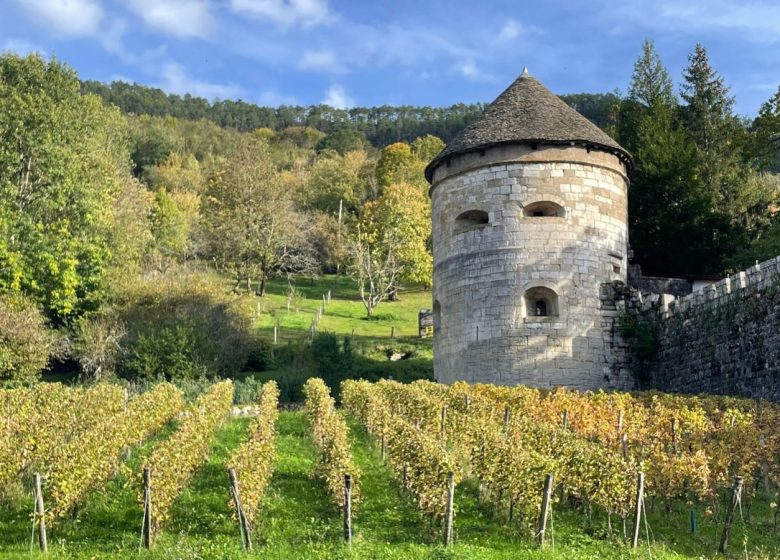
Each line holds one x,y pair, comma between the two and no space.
298,520
344,316
345,312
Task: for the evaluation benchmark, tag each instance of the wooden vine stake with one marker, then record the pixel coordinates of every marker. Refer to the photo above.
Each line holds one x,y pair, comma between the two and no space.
565,419
640,500
246,530
348,508
449,514
735,498
544,514
40,514
506,419
443,426
146,525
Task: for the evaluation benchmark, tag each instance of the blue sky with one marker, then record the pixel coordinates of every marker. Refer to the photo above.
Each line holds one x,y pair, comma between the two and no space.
394,52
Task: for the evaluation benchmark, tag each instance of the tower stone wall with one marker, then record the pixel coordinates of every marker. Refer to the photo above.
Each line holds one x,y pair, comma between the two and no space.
517,226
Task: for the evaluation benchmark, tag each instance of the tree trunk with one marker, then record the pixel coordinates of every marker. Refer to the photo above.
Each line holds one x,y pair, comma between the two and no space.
263,286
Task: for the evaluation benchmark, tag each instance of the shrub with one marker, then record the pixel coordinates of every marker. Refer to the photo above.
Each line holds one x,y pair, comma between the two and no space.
261,357
333,362
182,325
96,342
27,343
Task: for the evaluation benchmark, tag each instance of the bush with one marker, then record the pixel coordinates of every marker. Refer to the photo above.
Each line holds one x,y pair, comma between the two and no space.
27,343
182,325
333,362
96,340
261,357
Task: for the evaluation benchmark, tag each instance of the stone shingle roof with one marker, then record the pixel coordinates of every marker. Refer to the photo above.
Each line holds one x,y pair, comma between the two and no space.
527,112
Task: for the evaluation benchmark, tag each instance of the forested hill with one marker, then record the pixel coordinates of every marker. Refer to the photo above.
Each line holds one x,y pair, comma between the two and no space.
378,125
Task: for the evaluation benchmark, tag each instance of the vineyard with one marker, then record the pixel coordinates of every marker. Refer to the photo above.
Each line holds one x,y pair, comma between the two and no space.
397,471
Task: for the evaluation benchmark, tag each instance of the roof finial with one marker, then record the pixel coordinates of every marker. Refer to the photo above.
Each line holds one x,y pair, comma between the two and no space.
525,71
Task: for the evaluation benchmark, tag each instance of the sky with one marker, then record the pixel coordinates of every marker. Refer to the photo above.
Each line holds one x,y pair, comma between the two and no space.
401,52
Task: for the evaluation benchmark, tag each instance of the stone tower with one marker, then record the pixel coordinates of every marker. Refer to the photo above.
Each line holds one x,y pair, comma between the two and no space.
529,227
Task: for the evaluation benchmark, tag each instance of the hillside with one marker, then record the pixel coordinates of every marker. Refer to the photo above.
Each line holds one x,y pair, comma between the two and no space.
380,126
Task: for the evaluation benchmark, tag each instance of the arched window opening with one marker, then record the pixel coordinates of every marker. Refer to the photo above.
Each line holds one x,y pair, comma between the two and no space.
471,219
541,302
544,209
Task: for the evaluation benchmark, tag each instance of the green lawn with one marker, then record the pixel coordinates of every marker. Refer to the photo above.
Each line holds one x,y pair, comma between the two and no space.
344,315
393,330
299,521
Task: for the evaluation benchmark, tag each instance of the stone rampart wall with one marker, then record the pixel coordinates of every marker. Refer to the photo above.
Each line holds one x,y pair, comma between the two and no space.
724,339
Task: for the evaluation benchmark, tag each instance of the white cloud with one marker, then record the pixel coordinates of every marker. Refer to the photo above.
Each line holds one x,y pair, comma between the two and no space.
286,13
74,18
337,98
510,30
272,98
759,19
22,47
180,18
469,69
78,19
321,61
175,80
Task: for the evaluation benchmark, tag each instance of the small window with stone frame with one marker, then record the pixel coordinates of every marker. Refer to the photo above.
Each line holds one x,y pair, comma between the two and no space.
544,209
541,302
470,220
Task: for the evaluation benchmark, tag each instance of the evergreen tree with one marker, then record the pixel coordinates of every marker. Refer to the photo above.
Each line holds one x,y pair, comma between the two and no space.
672,230
651,83
713,128
765,139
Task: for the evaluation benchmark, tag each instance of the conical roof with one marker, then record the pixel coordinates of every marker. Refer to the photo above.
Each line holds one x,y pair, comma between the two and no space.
527,112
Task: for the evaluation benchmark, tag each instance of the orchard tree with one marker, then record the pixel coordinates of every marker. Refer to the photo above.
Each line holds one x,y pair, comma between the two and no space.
252,226
373,267
402,217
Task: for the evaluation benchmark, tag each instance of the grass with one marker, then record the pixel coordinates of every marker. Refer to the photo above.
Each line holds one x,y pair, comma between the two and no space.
298,520
345,316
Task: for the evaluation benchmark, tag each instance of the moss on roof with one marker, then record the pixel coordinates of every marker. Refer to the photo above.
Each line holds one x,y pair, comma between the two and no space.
527,112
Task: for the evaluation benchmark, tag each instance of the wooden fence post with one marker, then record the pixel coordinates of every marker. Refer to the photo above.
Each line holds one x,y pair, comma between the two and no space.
246,530
640,493
546,494
392,332
40,514
450,509
735,498
348,508
146,526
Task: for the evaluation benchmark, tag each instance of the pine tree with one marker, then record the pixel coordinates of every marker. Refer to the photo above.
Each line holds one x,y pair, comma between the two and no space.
651,83
765,138
713,128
